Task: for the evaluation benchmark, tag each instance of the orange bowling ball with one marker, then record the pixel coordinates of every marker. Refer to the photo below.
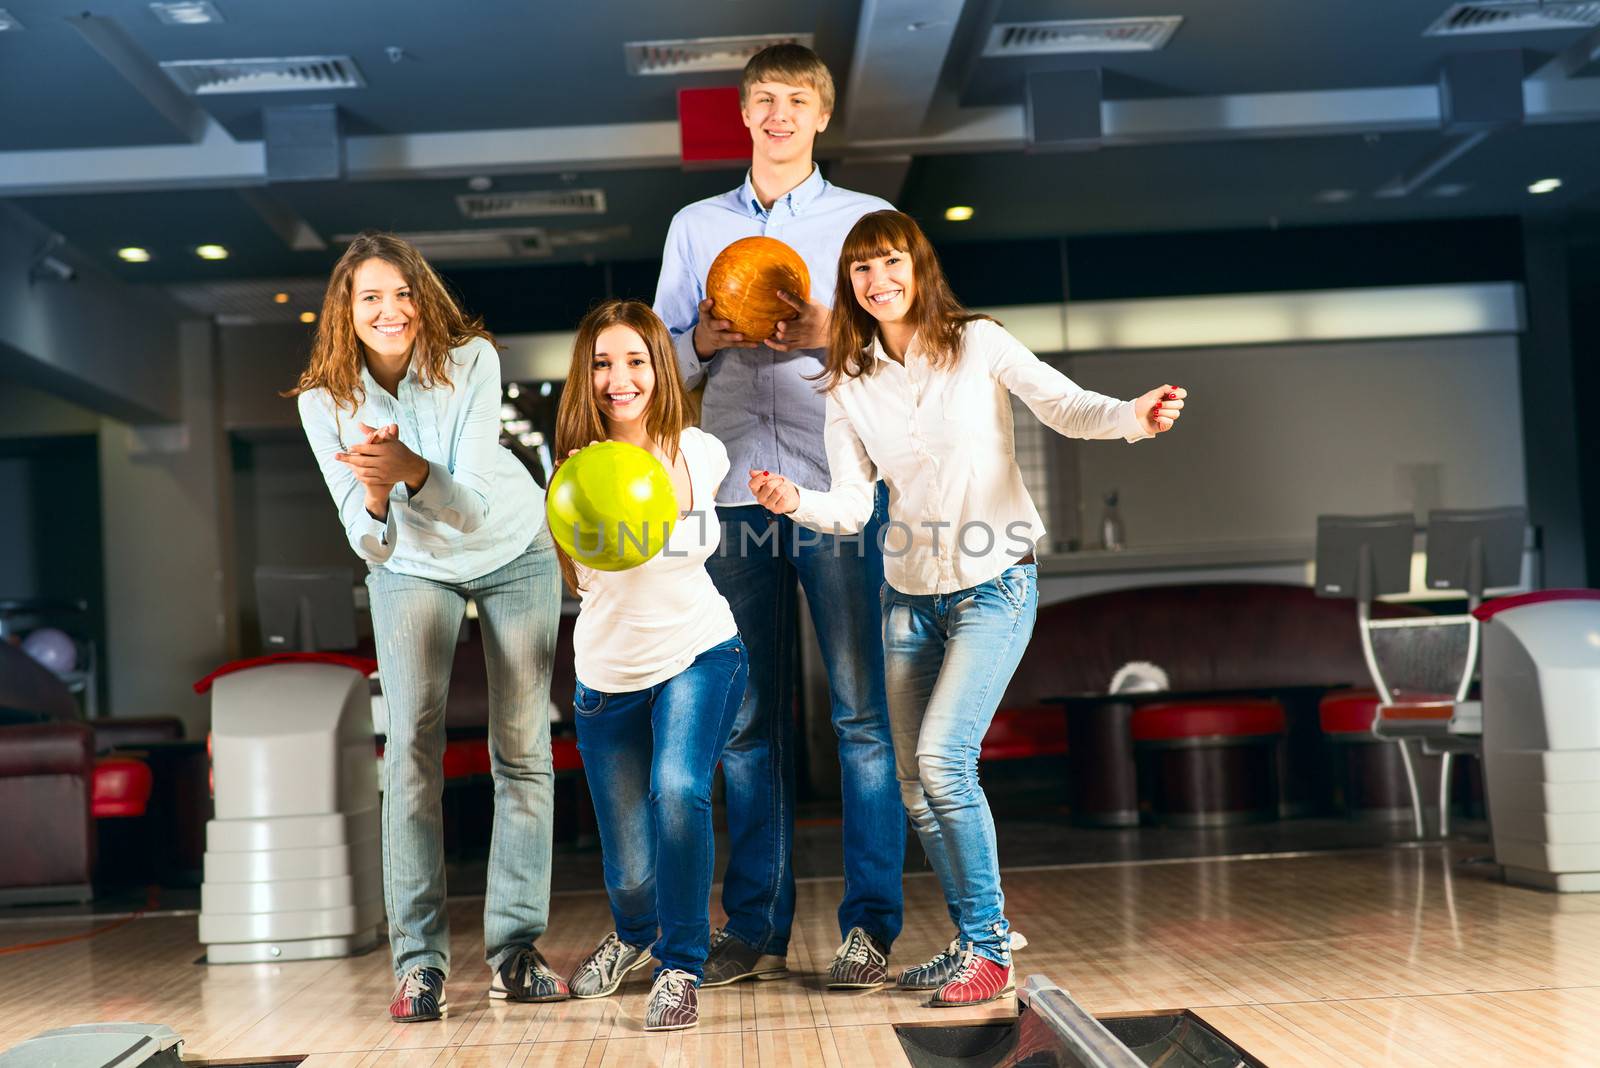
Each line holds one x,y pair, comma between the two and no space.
744,280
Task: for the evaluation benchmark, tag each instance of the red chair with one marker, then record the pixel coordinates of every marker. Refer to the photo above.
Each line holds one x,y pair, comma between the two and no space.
1209,763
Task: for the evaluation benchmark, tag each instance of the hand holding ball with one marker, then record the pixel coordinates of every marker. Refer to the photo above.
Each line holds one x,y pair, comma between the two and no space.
611,506
744,280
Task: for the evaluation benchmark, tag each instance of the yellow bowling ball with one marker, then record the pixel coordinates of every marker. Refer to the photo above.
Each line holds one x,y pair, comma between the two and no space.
611,506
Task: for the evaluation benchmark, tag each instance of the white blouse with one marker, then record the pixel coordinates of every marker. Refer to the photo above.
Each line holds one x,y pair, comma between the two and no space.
642,626
959,513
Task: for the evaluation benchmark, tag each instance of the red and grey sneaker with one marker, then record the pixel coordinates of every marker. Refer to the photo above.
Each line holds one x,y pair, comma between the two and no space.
978,980
524,976
419,997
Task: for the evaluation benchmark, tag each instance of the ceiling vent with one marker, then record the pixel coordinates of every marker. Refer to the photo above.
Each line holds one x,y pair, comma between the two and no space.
1077,36
1513,16
702,53
532,203
209,77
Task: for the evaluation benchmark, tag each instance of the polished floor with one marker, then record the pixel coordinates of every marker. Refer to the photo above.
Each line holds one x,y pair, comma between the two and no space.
1400,955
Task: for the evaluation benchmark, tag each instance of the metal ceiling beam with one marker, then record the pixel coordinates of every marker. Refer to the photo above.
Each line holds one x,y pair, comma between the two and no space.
1431,165
107,37
219,161
901,46
295,232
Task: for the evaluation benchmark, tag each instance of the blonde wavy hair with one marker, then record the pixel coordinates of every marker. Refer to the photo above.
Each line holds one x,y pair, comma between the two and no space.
337,354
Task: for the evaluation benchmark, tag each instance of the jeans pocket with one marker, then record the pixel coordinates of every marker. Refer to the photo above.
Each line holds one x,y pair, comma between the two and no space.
1013,586
587,702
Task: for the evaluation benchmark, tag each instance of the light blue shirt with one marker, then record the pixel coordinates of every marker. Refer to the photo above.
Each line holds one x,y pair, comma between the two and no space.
479,508
758,401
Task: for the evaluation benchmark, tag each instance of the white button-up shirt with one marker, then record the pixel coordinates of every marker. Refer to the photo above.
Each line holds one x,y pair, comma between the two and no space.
479,508
941,440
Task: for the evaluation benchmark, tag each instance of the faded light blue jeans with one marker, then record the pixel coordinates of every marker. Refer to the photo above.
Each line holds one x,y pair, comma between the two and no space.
651,755
415,622
947,661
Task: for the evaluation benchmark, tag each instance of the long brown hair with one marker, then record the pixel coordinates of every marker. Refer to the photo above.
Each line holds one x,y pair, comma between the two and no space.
579,419
938,316
337,354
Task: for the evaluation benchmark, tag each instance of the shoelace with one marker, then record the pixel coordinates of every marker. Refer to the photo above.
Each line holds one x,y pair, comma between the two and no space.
855,950
968,968
528,966
947,953
416,983
672,983
607,956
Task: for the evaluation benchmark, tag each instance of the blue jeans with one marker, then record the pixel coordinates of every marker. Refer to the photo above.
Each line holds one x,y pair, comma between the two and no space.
755,569
650,756
415,623
947,660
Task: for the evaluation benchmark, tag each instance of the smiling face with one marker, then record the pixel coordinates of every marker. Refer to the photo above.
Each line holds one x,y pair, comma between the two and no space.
783,120
884,285
381,306
622,375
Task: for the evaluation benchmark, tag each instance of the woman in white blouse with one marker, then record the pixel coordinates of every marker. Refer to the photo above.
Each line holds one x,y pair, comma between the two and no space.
401,405
660,667
919,396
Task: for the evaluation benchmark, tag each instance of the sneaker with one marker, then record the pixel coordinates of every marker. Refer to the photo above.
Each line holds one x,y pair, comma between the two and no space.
419,997
978,980
600,973
524,976
730,960
943,967
674,1003
862,963
934,973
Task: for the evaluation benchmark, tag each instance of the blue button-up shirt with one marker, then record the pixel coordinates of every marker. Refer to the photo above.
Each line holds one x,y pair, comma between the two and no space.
479,508
758,401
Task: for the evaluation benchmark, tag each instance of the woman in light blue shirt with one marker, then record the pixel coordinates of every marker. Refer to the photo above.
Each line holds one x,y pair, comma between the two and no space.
401,405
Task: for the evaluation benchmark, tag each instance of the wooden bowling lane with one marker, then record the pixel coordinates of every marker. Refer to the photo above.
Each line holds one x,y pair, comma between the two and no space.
1400,956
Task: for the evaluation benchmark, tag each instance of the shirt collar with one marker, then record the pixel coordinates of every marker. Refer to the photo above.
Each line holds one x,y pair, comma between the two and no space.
878,352
371,386
797,200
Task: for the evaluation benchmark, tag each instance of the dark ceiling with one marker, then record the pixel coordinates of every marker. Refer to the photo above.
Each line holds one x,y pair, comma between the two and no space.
522,67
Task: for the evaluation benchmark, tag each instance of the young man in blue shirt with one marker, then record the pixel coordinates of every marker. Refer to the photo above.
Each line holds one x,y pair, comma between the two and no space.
759,400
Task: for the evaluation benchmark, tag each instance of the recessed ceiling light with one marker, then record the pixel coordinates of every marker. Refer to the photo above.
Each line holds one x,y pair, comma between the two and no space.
1333,196
958,213
1449,189
1545,185
280,298
134,254
186,13
8,21
544,389
211,252
308,317
481,183
513,392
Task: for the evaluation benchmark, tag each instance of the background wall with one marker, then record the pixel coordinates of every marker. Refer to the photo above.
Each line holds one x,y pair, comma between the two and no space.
1280,434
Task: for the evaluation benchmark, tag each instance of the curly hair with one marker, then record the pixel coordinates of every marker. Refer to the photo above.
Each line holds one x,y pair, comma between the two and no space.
336,354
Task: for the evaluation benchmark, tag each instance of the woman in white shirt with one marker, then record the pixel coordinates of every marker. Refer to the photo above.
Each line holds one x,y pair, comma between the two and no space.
401,406
661,670
919,395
